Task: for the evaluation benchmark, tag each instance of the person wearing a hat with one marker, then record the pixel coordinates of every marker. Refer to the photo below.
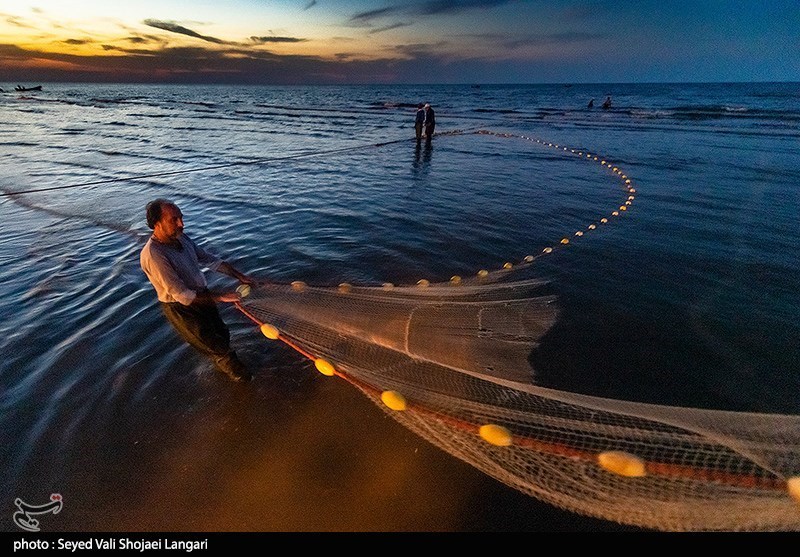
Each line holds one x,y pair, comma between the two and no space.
430,121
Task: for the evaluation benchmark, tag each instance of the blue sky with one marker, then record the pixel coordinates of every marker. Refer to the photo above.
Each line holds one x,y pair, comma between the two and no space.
400,41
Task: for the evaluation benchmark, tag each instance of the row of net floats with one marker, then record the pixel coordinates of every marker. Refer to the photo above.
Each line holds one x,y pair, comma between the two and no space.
621,463
565,241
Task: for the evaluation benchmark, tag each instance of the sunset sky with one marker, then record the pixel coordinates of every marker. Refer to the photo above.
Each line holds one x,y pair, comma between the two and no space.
399,41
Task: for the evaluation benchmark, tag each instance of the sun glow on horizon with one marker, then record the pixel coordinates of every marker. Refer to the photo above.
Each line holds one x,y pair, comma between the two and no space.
413,41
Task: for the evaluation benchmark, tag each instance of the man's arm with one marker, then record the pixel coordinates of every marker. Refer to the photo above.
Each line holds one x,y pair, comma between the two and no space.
228,269
217,264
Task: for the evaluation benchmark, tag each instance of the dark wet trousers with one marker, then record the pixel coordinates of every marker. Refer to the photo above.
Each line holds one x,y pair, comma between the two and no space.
418,130
201,325
429,131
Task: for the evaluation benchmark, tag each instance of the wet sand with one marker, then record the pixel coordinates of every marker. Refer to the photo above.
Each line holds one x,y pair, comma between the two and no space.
292,451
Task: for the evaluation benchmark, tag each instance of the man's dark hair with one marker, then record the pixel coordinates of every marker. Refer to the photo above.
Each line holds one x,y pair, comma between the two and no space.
154,209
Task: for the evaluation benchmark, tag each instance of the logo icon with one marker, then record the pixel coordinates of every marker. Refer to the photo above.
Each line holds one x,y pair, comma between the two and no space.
23,519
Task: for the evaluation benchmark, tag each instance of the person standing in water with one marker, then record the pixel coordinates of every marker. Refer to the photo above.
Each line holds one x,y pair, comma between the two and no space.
430,121
607,103
171,261
419,121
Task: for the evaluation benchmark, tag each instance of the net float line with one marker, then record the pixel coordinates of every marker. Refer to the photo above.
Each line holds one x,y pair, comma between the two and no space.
619,462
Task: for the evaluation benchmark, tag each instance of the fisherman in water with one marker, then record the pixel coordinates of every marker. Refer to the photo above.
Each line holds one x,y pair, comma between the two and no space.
171,261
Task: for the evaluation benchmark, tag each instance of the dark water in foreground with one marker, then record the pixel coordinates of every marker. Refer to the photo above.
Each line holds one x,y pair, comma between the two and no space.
690,298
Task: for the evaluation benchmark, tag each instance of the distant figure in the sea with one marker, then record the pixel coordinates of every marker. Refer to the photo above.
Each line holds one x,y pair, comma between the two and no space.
419,121
591,103
607,103
430,121
171,261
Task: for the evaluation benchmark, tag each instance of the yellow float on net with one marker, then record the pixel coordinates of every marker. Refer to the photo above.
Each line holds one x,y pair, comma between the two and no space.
298,286
422,283
627,181
604,220
615,214
243,290
394,400
324,367
565,240
496,435
793,487
269,331
622,464
547,250
483,273
507,265
527,258
345,287
592,226
455,279
579,233
388,285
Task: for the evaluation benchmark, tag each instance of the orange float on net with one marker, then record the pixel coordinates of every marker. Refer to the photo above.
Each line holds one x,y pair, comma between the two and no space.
269,331
298,286
622,464
793,487
496,435
394,400
324,367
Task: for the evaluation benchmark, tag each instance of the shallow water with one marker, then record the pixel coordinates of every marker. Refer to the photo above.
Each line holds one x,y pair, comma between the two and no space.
690,298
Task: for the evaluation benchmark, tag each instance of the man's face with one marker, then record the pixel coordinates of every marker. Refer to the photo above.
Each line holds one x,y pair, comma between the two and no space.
170,225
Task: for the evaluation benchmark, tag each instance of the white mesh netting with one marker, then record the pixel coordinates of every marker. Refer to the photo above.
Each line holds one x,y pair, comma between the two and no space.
452,362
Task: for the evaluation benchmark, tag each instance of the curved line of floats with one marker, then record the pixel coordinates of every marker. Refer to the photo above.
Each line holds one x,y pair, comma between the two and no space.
616,462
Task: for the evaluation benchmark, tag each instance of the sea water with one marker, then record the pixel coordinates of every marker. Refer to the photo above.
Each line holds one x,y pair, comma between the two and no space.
690,297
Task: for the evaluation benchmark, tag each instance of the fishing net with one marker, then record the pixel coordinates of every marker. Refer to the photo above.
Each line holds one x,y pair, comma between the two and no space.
451,361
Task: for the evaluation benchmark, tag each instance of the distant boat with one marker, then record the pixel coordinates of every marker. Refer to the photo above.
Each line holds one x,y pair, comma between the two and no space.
21,88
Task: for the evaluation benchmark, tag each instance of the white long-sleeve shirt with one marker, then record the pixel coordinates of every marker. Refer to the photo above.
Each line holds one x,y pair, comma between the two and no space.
174,272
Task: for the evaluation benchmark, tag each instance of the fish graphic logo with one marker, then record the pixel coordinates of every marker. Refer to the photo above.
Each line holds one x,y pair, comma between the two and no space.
23,518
